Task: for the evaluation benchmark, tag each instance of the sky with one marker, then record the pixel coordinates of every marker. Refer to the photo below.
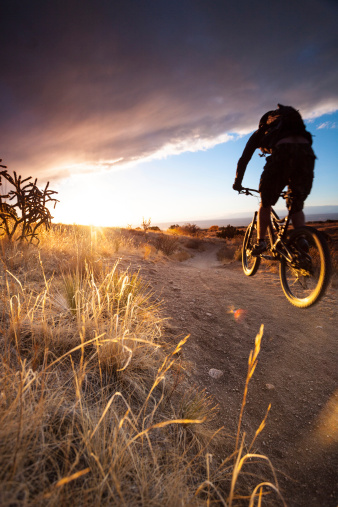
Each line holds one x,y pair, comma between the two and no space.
141,108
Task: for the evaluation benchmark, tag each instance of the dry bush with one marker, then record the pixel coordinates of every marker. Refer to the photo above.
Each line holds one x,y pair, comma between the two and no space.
185,230
231,250
333,247
166,243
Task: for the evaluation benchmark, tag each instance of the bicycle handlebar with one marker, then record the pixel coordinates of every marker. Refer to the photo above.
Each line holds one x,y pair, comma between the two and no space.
247,191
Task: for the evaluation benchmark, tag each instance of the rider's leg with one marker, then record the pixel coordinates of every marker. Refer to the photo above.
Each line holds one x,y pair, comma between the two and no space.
263,221
298,219
302,160
270,186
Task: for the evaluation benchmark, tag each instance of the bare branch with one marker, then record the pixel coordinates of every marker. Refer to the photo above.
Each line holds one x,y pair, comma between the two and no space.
30,202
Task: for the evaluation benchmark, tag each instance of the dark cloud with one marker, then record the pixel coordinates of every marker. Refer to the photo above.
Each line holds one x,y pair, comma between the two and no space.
85,81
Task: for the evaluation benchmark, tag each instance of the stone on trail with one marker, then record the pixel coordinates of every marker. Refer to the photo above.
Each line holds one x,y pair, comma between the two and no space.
215,373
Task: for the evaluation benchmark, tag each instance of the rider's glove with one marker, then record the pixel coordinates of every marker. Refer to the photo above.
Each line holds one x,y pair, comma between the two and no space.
237,186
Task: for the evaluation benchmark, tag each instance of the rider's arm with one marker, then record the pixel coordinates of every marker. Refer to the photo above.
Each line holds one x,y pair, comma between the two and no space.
252,144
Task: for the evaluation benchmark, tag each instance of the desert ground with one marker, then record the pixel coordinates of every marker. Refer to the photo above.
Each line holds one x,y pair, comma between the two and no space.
297,365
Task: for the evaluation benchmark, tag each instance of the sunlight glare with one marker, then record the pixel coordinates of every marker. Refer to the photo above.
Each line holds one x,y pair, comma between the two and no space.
83,201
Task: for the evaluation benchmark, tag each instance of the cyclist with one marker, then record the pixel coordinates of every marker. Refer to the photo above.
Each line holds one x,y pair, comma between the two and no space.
281,134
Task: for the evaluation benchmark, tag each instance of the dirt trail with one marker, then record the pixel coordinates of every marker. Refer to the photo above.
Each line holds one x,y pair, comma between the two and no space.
296,372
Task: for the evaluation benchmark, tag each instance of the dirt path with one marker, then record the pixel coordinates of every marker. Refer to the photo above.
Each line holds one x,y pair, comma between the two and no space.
296,372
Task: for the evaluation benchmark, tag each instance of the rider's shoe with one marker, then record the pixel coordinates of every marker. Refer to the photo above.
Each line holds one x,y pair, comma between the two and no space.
259,248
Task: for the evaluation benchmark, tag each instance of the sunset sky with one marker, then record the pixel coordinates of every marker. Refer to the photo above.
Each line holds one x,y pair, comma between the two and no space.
137,108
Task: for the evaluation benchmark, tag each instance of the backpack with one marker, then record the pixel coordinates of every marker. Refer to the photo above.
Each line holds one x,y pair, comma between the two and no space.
282,122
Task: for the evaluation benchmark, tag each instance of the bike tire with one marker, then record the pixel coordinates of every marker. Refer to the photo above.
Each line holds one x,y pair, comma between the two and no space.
250,264
305,281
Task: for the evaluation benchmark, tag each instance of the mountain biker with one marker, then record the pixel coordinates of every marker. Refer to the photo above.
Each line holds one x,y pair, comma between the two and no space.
281,134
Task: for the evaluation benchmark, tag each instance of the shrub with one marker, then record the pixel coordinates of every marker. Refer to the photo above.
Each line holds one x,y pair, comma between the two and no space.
228,232
185,230
190,229
166,244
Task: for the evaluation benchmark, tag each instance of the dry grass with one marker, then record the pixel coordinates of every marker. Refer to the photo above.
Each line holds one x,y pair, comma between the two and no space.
96,408
231,250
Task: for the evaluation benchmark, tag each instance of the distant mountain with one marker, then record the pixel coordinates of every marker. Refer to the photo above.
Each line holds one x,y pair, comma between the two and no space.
312,213
308,210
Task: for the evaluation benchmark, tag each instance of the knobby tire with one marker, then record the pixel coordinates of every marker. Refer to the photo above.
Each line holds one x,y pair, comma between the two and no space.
305,281
250,264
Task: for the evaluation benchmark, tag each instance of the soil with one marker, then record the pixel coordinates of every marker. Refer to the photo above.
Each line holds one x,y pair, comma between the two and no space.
296,371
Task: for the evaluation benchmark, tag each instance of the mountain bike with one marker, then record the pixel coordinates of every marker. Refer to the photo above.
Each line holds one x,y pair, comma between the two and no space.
303,256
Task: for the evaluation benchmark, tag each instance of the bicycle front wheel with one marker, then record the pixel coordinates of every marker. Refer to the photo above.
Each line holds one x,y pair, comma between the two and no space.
250,264
304,280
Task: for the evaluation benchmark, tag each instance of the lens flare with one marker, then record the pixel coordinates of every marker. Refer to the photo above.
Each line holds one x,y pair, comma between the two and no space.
238,314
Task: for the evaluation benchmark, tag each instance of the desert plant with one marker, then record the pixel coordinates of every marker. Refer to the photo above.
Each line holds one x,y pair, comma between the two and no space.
145,224
228,232
30,202
166,244
184,230
190,229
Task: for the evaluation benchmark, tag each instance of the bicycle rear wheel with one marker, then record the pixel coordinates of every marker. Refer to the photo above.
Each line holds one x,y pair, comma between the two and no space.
250,264
305,279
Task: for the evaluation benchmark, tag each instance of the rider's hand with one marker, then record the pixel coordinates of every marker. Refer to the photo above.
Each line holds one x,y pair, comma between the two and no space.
237,186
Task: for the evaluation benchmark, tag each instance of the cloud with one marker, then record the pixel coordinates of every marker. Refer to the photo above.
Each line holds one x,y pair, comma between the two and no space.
327,125
91,86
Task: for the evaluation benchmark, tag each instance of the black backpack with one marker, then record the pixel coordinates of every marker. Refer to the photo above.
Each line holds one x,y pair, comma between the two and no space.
282,122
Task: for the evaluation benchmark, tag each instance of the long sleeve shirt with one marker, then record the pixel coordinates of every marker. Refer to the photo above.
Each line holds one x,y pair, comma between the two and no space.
256,141
252,145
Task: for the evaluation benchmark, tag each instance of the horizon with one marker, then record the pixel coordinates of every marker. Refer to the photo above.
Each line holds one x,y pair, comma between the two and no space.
316,214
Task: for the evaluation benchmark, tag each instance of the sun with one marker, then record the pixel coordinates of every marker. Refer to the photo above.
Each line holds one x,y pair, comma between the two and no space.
83,202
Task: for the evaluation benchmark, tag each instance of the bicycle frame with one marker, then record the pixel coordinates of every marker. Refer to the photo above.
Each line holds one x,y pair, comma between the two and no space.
277,231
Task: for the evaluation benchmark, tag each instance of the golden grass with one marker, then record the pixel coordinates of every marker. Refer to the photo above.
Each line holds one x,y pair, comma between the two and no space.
95,405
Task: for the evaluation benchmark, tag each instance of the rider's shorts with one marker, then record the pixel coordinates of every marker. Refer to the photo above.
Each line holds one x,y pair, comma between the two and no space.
291,165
